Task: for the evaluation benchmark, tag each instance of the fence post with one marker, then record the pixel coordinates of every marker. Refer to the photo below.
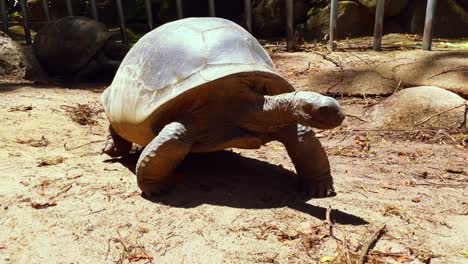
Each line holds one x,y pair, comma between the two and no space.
4,13
123,27
45,8
180,13
248,14
291,37
430,12
24,14
378,26
333,19
94,12
69,7
212,7
149,14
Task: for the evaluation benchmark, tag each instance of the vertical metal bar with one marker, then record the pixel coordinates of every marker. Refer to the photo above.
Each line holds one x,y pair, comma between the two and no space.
69,7
4,13
45,7
123,27
248,14
24,14
333,19
291,36
212,7
149,14
180,12
430,12
94,12
378,26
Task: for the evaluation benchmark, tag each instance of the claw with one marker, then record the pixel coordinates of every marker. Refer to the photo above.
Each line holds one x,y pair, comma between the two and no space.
317,189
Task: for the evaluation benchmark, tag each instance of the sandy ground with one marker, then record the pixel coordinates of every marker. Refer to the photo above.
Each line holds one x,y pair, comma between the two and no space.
63,202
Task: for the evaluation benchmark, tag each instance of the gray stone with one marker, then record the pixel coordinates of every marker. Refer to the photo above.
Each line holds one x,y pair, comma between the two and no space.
420,107
353,20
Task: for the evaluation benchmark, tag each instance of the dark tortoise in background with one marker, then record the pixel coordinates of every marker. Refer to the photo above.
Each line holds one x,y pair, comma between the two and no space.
77,47
206,84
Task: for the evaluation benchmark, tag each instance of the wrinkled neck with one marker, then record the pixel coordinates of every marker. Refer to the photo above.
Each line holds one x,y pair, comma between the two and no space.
272,113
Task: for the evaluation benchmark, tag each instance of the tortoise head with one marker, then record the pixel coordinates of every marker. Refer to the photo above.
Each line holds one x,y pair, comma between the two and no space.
315,110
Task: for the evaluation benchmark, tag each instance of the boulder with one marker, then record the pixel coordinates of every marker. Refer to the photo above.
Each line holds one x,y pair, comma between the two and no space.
392,7
464,4
17,63
382,73
269,17
353,20
451,19
420,107
12,66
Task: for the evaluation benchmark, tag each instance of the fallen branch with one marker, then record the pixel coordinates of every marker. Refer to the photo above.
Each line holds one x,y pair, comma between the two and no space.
438,114
329,222
83,145
370,242
64,190
357,117
456,69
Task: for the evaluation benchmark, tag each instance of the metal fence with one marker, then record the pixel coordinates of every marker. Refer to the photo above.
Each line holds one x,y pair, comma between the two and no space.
290,37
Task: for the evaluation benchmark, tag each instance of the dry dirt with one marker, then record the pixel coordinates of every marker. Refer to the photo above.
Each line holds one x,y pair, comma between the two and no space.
63,202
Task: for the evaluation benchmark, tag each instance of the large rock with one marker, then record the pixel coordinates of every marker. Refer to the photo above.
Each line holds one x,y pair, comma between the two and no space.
269,17
353,20
464,4
392,7
18,63
420,107
451,19
12,66
382,73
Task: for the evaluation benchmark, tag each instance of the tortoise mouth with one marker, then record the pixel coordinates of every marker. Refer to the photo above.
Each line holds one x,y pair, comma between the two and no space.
329,122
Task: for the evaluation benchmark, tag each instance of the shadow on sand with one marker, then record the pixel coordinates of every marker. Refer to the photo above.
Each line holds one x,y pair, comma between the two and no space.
229,179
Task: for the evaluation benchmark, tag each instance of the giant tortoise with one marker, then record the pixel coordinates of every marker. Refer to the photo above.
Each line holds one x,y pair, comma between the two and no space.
77,47
206,84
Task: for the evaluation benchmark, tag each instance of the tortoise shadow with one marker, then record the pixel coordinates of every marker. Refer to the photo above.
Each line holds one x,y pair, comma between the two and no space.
228,179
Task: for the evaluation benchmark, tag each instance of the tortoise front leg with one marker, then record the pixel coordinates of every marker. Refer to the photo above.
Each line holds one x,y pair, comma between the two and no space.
115,145
160,157
309,159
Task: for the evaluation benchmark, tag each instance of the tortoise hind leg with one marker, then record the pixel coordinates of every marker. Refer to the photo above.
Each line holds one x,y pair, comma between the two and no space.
160,157
116,146
309,159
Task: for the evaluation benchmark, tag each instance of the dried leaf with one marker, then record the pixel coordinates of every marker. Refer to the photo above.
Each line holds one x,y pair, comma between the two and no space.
464,253
21,108
403,259
138,257
143,230
416,199
46,161
43,205
327,259
388,186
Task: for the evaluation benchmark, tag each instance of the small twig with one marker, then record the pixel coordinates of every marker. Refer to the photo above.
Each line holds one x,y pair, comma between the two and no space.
64,190
98,211
346,247
437,114
108,249
447,185
329,222
357,117
80,146
456,69
370,242
397,87
387,254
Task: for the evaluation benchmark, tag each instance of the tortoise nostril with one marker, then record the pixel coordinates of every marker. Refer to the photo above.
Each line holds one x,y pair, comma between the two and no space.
332,114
